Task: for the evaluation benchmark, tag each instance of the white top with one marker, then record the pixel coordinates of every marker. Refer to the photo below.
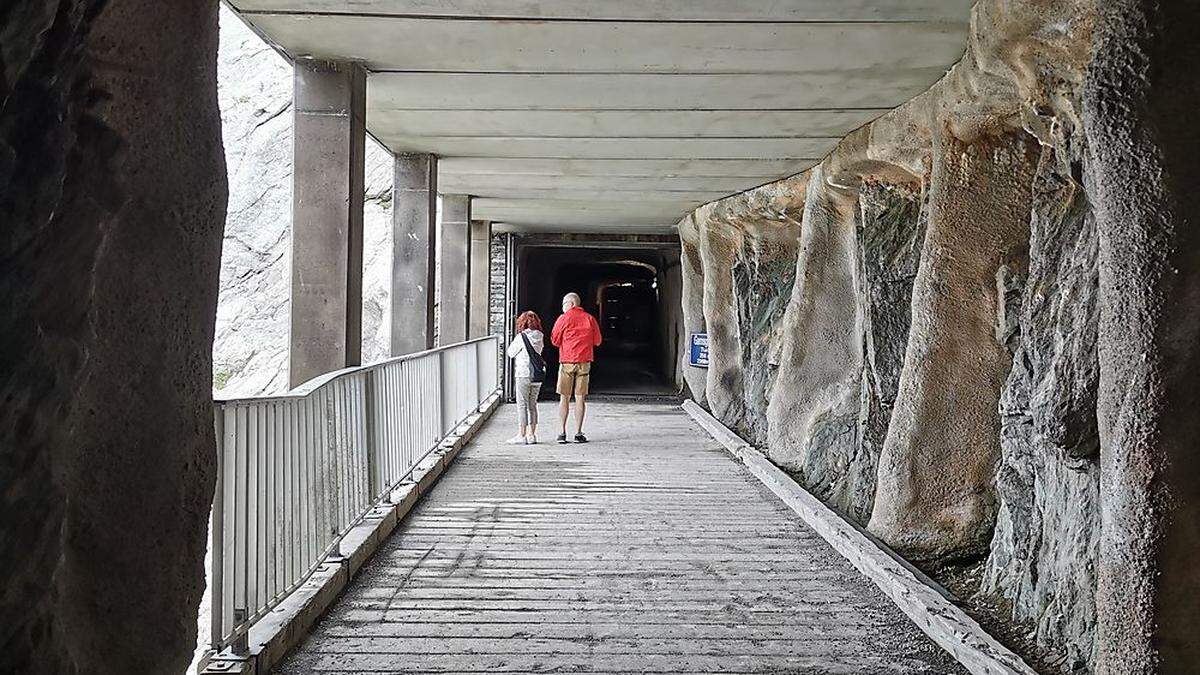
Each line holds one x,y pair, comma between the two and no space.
516,352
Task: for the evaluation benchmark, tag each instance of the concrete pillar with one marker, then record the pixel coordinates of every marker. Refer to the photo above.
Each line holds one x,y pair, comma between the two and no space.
327,213
1145,164
479,280
414,254
454,270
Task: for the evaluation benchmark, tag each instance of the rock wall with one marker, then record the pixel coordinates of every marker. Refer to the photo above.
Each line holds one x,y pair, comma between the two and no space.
251,350
744,269
929,323
1141,173
112,196
1047,531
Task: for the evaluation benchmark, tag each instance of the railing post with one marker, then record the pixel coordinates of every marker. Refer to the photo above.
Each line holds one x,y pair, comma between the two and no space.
241,644
479,367
217,542
371,414
441,396
474,373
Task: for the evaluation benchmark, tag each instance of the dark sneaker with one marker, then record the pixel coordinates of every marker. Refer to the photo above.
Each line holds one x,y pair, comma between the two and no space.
562,438
580,438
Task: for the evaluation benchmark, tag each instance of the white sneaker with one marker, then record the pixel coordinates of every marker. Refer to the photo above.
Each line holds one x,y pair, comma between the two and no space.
531,439
516,440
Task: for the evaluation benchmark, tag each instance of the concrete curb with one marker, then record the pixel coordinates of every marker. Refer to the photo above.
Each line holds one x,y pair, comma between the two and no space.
925,605
277,633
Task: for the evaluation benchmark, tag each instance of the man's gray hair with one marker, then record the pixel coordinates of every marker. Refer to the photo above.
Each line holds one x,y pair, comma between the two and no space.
573,298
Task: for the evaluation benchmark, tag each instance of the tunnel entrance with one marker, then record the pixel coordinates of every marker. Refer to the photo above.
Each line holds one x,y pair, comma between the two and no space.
635,295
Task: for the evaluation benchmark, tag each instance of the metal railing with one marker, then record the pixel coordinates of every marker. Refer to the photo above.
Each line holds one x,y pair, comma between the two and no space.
296,472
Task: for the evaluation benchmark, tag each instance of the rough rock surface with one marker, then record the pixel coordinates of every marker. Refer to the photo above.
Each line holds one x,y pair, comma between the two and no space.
756,258
1043,554
933,375
251,350
891,231
1144,152
814,406
694,378
956,361
109,250
724,385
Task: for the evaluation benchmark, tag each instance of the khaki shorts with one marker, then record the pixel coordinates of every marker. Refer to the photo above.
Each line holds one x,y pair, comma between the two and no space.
573,378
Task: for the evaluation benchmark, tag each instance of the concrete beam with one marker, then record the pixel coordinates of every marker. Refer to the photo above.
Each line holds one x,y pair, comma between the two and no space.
620,123
780,11
414,252
500,183
453,269
706,82
598,194
882,88
666,168
479,280
615,148
529,46
327,218
566,212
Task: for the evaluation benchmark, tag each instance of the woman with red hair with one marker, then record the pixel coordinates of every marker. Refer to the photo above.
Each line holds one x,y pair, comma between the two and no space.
528,370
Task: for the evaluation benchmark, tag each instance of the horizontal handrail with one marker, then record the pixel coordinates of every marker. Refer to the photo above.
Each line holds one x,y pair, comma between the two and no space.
304,388
297,471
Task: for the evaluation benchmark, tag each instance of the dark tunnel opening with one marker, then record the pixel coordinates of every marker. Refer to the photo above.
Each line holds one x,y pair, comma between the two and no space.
633,293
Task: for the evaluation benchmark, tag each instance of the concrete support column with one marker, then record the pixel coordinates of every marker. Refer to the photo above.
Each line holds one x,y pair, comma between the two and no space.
454,270
414,254
327,218
1145,164
479,279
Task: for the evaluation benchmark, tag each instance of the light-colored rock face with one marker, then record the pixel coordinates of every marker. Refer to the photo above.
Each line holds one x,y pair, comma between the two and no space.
251,349
932,249
956,361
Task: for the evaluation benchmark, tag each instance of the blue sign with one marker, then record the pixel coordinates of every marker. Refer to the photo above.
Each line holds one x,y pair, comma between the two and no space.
698,354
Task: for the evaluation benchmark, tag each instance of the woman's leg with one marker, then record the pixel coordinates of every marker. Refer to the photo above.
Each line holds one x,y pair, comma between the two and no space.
522,404
532,398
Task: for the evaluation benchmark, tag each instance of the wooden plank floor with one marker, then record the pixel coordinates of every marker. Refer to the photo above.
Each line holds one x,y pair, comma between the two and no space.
647,550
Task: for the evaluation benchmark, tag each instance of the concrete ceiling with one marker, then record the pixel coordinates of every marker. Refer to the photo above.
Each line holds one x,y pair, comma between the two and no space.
620,115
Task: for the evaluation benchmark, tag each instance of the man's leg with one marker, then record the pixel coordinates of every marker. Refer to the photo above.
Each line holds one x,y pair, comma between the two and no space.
580,408
564,407
582,380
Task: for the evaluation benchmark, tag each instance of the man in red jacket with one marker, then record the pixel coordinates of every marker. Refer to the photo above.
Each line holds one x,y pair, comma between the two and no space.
575,334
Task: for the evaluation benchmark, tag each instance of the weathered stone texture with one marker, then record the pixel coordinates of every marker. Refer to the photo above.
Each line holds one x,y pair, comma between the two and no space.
762,283
694,378
724,386
890,231
955,365
1043,554
498,284
110,250
934,374
814,406
1144,166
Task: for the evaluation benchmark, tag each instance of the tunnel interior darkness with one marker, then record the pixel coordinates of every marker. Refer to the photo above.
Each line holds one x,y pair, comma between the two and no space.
633,293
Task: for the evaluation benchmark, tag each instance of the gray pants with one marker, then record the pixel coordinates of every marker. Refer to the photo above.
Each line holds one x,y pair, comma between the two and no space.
527,395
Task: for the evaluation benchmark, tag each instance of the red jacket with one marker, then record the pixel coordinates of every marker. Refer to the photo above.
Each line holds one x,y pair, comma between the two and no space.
575,333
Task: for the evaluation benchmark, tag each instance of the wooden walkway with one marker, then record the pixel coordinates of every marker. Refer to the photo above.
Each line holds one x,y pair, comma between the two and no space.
647,550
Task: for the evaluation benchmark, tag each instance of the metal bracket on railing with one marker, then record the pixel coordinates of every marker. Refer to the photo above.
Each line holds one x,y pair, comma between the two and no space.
241,645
